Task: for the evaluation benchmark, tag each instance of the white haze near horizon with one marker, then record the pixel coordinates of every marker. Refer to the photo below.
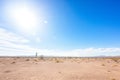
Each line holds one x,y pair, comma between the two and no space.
12,44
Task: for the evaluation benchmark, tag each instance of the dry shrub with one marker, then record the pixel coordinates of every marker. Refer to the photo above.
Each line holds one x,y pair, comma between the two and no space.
115,59
115,65
58,61
103,64
36,59
41,57
27,59
59,72
13,62
109,71
8,71
113,79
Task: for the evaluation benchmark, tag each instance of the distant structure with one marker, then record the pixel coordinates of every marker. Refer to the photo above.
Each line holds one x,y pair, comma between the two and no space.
36,54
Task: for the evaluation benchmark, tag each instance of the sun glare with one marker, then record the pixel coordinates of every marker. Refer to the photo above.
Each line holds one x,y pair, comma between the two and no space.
24,17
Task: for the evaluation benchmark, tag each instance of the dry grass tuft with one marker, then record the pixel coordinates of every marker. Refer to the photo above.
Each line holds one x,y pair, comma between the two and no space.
13,62
113,79
58,60
36,59
115,65
103,64
8,71
59,72
27,59
115,59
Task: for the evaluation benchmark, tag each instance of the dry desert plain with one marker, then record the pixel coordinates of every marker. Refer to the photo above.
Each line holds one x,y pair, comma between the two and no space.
59,68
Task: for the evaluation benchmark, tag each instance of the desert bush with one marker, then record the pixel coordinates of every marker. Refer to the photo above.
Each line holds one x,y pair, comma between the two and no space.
36,60
58,61
115,65
8,71
13,62
113,79
27,59
41,57
115,59
103,64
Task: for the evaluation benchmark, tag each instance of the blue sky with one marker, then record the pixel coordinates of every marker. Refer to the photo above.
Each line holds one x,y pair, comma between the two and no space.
60,27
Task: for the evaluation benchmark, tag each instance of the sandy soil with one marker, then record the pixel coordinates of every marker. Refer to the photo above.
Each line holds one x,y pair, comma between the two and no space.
59,69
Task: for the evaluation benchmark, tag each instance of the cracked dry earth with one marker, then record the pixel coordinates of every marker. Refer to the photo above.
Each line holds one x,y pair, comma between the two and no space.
66,69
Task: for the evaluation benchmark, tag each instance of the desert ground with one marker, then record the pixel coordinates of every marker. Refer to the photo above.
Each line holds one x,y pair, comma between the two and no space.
59,68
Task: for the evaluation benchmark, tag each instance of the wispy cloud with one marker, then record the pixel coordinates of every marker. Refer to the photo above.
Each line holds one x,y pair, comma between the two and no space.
13,44
95,52
11,37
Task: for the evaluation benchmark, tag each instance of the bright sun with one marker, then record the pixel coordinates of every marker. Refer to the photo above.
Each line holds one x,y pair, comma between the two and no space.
24,17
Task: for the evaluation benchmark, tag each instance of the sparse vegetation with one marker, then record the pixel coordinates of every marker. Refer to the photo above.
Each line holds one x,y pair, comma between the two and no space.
36,60
60,66
58,60
115,59
41,57
113,79
103,64
115,65
8,71
59,72
13,62
27,59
